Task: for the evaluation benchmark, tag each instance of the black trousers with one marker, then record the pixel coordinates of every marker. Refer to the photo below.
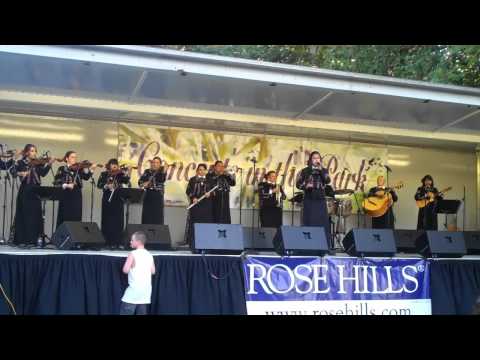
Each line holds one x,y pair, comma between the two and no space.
271,217
70,206
152,208
28,216
221,208
386,221
427,217
200,214
315,213
112,219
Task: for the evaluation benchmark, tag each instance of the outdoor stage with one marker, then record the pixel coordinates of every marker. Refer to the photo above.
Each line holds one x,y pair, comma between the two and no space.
47,282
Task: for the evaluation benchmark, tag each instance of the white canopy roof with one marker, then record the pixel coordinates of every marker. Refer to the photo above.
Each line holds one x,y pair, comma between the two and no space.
146,84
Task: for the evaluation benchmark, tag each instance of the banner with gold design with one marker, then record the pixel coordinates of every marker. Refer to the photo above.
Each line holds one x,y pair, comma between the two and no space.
351,166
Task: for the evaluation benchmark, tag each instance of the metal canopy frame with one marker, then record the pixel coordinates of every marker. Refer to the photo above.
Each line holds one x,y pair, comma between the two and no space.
326,85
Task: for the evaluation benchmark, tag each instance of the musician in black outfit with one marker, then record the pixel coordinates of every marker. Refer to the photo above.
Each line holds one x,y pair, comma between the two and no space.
313,180
202,212
427,216
28,215
153,182
271,195
387,220
5,165
70,177
221,196
112,204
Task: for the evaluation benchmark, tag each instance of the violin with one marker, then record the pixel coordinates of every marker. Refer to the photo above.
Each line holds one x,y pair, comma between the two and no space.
121,169
83,165
42,161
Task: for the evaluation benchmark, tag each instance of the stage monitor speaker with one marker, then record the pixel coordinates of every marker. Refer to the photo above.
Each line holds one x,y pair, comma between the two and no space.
370,242
472,242
406,240
441,244
262,238
301,240
158,236
78,235
218,238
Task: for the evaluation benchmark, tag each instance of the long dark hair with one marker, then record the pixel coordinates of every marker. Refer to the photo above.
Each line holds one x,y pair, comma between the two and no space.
27,148
309,163
427,177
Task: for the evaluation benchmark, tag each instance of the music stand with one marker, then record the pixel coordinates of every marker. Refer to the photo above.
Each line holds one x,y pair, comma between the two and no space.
448,207
130,196
47,193
297,198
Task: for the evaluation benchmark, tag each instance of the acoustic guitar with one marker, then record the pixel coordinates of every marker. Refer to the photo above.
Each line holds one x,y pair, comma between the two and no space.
431,198
377,206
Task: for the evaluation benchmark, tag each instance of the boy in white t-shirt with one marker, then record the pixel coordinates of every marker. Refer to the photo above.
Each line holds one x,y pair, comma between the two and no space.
140,267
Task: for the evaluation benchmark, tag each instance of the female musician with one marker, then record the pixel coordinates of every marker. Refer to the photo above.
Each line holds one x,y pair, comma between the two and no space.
427,216
313,180
202,212
28,215
270,194
112,204
221,196
153,182
387,220
70,177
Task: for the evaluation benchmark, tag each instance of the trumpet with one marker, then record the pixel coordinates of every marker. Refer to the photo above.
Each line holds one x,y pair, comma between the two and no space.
164,163
231,170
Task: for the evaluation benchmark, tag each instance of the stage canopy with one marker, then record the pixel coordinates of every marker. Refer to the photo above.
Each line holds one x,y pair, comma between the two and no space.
174,88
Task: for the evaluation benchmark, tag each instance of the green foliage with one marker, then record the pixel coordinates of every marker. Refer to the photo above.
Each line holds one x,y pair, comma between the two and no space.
450,64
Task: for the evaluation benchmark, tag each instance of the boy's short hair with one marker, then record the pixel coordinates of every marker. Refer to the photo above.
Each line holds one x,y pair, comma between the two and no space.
140,236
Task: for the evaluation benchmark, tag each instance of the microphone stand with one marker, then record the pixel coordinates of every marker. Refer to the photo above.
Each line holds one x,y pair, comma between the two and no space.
425,212
12,217
359,210
388,185
53,205
293,196
254,161
241,192
464,208
6,178
92,195
127,202
280,195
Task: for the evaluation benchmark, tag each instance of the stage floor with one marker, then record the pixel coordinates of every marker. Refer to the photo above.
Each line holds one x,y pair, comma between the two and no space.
12,250
79,282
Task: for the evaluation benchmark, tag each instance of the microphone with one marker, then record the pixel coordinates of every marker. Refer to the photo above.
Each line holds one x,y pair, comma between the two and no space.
389,169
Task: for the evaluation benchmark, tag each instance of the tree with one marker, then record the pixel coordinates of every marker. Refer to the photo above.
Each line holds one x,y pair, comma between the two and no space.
450,64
